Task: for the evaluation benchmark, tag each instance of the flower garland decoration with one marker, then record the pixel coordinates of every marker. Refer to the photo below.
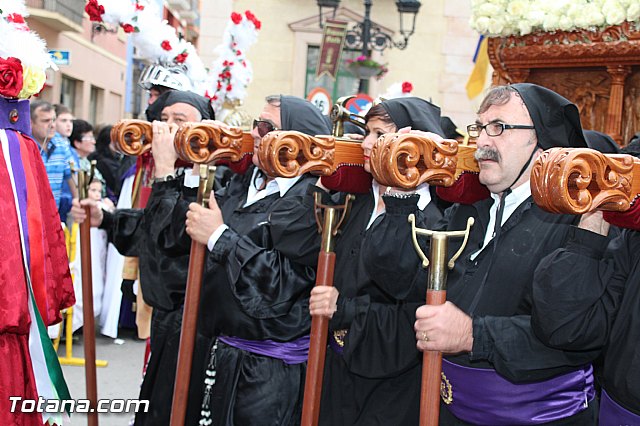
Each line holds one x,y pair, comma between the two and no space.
521,17
231,72
367,62
154,39
23,54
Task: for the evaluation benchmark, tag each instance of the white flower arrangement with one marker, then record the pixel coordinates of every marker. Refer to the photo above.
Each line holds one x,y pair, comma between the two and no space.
498,18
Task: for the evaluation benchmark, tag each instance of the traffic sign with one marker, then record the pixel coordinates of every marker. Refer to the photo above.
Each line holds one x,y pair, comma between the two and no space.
361,103
60,57
321,98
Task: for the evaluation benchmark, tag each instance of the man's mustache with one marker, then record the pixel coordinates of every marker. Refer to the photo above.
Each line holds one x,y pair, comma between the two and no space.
487,154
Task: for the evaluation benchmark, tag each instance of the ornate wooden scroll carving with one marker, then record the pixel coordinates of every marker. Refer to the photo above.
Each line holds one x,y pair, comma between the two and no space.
207,142
289,154
408,160
595,70
579,180
132,137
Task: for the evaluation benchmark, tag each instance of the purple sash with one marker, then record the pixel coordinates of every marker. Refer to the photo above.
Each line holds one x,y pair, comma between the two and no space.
294,352
612,414
334,345
482,396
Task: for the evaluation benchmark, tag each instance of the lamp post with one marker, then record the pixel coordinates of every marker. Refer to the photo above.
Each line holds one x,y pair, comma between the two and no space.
365,36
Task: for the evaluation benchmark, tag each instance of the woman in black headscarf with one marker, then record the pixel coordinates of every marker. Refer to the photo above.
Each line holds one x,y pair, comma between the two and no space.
372,371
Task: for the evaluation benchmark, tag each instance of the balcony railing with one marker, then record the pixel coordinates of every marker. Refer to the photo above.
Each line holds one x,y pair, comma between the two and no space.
71,9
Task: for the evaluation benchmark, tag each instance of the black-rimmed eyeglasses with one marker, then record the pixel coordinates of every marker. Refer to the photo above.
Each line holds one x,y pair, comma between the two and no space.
493,129
264,127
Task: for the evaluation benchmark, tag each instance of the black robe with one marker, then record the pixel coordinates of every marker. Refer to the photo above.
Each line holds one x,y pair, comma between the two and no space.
254,290
377,378
502,335
156,237
598,288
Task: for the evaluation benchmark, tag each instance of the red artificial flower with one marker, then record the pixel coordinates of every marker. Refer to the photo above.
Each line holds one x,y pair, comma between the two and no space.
236,18
407,87
251,17
94,10
10,77
16,18
139,6
238,52
181,57
219,85
166,45
18,21
229,88
128,28
215,98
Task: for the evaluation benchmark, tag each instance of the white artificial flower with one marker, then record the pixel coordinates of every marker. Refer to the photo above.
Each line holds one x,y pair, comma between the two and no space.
613,12
633,12
496,25
551,22
565,23
518,8
509,17
524,27
481,24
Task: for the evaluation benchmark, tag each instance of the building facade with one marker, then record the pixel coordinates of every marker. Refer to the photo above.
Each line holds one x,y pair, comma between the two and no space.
437,61
91,60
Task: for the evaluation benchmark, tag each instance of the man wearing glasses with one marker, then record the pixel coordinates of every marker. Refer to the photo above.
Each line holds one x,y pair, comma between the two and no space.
495,370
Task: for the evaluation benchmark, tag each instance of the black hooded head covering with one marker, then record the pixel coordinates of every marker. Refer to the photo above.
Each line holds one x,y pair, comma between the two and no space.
449,128
414,112
202,104
601,142
302,116
555,118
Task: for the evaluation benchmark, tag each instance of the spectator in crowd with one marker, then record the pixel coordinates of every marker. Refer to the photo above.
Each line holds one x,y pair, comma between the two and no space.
56,154
64,126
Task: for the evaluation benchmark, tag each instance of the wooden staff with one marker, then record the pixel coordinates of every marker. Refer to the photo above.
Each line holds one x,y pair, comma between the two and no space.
436,295
89,328
190,312
320,324
580,180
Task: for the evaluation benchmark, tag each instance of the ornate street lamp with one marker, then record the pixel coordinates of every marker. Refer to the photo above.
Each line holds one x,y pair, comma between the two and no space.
366,37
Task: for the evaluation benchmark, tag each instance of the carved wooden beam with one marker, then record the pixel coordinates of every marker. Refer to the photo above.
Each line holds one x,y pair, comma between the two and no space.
408,160
580,180
207,142
194,142
290,153
132,137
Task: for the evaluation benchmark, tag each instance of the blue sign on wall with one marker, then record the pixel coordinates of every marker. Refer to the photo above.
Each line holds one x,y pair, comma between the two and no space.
60,57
